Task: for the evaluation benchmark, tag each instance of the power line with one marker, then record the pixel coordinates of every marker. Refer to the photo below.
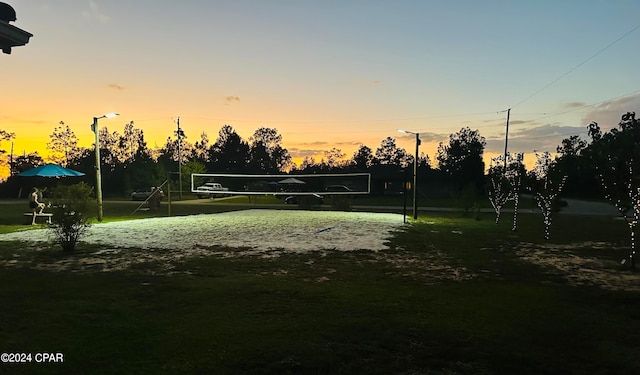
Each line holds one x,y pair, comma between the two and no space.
553,135
348,121
585,106
577,66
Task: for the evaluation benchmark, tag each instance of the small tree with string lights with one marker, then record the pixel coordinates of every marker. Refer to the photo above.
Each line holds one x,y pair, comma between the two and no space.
505,183
546,185
500,190
616,155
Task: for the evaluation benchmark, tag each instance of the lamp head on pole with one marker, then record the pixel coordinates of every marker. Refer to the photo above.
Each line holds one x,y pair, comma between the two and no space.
108,115
418,141
94,126
405,131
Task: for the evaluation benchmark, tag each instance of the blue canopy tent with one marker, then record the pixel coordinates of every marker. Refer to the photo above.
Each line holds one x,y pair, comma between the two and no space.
51,170
47,175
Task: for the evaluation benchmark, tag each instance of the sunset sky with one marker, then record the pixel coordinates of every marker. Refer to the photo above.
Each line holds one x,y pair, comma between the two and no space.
325,73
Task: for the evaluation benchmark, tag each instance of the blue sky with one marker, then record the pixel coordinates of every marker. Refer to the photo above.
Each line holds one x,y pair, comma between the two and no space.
324,73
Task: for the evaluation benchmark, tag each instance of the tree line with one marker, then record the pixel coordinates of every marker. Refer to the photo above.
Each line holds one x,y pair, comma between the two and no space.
129,164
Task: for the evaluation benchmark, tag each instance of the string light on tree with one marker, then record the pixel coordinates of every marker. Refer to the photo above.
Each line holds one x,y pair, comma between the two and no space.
546,199
630,210
505,184
514,176
500,191
547,187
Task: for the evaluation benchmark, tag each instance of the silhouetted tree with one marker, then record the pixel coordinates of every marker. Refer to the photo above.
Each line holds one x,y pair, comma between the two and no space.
229,153
63,145
334,158
131,144
571,146
259,159
5,136
25,162
310,165
390,154
362,159
617,156
581,174
108,149
423,161
176,148
267,153
462,160
201,149
136,169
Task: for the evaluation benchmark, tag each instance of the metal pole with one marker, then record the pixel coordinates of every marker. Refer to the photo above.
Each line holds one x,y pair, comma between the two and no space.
506,141
11,166
415,179
179,160
404,195
169,195
98,173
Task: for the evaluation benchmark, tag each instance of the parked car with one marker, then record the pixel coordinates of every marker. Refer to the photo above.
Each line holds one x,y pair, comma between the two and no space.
295,199
337,188
141,195
211,190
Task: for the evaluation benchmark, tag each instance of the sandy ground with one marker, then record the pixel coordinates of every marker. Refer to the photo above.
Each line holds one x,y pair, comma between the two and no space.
257,230
272,233
165,242
577,269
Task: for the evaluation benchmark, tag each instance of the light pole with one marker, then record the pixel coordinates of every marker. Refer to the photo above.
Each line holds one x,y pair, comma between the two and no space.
180,134
415,173
94,128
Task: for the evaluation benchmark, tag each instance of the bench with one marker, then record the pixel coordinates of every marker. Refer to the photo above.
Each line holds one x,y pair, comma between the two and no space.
29,216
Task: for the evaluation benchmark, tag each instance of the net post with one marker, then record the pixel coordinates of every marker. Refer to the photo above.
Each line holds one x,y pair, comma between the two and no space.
169,196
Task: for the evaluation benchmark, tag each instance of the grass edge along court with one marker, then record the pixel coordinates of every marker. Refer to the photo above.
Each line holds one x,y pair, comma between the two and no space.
450,295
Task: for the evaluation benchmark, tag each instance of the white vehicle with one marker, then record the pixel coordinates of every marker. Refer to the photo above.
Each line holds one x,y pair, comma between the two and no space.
211,190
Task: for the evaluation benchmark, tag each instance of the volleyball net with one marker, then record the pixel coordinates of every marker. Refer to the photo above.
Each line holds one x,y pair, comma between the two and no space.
221,184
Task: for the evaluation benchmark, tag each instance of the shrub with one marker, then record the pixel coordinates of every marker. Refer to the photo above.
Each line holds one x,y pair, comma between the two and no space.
71,209
341,202
308,202
468,201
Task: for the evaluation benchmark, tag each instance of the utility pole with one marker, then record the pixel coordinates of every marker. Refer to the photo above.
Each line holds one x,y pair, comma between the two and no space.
179,158
415,179
11,167
65,139
506,141
415,173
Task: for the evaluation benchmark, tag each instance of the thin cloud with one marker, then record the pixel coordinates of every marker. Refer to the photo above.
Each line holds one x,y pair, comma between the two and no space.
547,130
296,152
318,149
95,13
367,83
115,86
575,105
232,99
607,114
313,144
27,121
425,136
521,122
328,144
545,138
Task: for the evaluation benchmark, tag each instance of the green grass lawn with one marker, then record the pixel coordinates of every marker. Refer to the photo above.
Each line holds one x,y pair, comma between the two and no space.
452,295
